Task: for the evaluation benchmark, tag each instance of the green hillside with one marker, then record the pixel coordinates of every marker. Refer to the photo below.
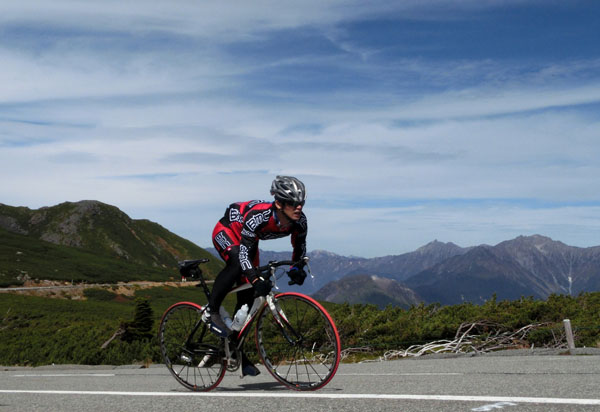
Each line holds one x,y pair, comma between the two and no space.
24,257
89,241
40,331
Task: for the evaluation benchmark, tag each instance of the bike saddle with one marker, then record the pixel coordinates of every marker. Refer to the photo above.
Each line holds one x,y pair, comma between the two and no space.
189,264
189,268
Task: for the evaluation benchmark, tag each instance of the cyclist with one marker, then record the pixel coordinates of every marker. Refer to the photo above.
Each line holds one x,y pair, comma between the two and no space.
236,238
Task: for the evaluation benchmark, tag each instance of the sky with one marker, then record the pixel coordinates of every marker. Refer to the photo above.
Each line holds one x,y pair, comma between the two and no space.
465,121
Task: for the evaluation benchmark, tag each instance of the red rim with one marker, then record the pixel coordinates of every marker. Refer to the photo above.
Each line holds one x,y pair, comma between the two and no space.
332,323
192,387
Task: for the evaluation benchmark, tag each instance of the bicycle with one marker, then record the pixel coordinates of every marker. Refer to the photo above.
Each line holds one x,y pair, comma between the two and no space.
296,339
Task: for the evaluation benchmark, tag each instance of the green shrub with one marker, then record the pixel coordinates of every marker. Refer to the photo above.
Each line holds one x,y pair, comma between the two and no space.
543,336
99,294
37,331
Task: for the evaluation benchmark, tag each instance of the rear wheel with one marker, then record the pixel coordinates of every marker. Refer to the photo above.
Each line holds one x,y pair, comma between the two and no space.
193,355
300,347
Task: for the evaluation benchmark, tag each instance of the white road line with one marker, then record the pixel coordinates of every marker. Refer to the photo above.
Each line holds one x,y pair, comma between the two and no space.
53,375
402,374
457,398
338,374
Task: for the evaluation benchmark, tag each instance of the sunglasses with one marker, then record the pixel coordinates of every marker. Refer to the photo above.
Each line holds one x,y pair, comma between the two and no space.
295,204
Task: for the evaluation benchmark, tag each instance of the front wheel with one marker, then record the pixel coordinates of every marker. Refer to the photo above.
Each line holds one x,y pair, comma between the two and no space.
298,342
193,355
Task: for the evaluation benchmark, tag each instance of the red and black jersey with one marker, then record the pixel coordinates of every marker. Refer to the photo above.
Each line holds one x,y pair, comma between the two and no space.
245,223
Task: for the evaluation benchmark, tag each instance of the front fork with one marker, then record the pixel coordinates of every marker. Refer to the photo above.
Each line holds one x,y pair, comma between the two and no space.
282,322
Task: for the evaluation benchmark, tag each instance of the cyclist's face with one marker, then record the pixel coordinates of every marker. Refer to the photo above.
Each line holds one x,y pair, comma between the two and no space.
293,212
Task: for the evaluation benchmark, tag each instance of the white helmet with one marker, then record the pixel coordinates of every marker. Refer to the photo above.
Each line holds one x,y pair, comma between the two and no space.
288,189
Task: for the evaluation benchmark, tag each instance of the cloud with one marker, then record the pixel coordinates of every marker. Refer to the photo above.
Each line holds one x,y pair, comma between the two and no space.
171,115
480,103
239,18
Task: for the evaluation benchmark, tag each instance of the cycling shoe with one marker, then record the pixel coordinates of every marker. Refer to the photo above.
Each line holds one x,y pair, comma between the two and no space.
218,327
250,370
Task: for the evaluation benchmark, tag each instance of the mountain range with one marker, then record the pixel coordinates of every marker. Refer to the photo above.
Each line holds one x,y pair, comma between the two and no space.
446,273
328,266
88,239
526,266
91,241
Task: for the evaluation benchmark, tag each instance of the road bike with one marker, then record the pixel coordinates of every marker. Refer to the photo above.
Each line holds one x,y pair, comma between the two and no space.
296,339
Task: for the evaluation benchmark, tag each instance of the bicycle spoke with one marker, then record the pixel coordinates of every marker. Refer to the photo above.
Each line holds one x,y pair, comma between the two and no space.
185,345
306,362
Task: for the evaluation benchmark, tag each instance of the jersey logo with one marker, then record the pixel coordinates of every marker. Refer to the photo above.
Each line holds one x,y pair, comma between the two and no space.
235,216
222,240
244,261
257,219
247,233
254,203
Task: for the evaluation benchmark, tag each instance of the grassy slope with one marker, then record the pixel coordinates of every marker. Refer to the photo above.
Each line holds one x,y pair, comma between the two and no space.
43,260
38,331
92,242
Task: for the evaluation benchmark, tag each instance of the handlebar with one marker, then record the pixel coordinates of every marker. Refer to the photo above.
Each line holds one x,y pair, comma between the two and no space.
275,263
269,268
190,268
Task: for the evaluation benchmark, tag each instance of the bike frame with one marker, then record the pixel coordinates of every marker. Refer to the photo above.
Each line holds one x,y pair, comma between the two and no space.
229,350
259,302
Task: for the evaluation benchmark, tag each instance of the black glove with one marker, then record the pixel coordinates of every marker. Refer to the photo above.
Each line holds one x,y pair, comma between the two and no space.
262,287
297,275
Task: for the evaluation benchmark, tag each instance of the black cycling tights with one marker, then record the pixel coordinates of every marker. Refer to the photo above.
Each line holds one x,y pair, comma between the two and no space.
226,279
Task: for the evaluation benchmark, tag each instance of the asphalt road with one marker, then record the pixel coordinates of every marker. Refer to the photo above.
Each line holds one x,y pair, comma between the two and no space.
478,383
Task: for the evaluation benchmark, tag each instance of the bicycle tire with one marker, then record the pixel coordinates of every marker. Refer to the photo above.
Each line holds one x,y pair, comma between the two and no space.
311,360
193,355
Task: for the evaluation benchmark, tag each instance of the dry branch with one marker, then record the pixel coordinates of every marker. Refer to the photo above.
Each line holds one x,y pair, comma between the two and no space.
477,337
349,351
119,332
